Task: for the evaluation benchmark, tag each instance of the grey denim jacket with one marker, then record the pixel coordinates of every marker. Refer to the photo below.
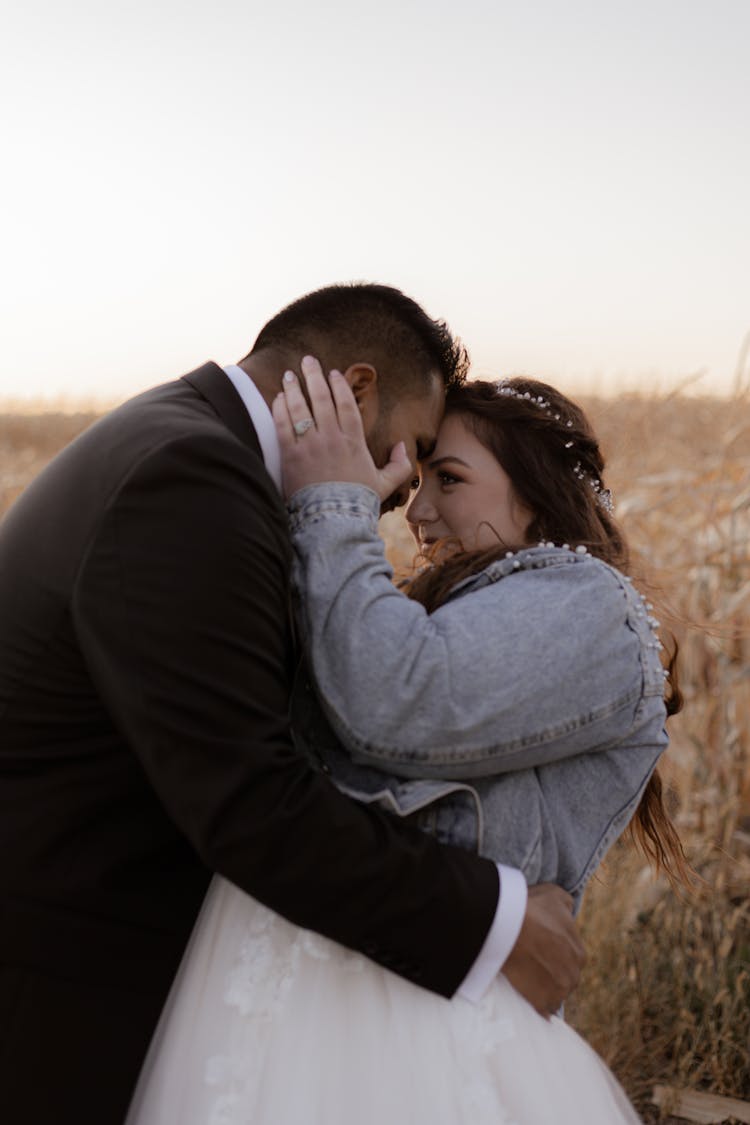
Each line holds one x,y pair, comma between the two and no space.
522,719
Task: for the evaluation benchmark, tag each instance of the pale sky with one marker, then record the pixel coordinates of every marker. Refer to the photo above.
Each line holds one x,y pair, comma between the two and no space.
566,183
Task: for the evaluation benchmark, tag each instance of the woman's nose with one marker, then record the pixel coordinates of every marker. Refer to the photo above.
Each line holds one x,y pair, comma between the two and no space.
419,510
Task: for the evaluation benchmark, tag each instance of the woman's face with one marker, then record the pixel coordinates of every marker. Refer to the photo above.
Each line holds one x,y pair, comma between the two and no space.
463,493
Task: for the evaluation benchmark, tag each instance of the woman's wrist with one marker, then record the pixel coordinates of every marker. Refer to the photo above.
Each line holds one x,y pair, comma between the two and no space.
328,499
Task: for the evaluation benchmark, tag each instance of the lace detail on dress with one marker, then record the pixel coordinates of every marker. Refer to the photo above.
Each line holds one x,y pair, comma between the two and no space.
251,985
491,1032
272,956
269,959
256,985
269,1024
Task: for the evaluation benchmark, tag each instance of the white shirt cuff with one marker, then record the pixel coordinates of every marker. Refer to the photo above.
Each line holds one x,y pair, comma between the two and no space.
502,935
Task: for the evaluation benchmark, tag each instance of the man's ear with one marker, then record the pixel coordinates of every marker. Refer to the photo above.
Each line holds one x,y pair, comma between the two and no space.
363,379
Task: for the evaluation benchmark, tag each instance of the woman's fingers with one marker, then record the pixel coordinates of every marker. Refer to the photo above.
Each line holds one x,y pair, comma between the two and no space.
320,410
393,475
324,440
283,422
300,414
323,410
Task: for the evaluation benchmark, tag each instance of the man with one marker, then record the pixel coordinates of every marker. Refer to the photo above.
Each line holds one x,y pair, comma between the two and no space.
145,662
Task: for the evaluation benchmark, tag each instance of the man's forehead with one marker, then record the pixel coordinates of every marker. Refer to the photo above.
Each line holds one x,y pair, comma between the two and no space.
425,446
433,407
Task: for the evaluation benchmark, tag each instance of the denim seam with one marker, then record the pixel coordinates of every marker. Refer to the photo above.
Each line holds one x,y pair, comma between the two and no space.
608,836
298,521
519,746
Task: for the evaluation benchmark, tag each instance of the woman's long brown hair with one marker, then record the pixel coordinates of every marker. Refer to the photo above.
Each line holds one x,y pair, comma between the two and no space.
556,468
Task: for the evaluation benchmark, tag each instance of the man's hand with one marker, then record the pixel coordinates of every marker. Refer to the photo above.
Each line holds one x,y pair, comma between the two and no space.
325,441
545,963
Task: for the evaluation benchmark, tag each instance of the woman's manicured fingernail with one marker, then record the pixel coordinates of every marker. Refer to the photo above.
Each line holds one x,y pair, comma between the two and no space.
335,374
289,376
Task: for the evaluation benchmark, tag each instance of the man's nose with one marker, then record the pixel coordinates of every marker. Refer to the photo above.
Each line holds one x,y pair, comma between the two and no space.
397,499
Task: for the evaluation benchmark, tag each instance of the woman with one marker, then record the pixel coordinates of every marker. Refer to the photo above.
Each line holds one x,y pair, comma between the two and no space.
513,703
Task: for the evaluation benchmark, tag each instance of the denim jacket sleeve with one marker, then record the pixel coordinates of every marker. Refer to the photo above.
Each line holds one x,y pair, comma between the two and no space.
542,658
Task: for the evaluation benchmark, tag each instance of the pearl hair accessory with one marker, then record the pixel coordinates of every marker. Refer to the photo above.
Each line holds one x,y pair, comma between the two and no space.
603,495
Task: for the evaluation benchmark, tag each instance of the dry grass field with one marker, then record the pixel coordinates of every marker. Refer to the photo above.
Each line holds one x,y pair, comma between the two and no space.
666,992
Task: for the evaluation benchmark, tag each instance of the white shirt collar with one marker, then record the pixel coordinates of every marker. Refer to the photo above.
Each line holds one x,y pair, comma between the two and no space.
261,418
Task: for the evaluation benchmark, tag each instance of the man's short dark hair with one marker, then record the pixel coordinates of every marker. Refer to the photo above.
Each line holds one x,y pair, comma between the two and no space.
361,322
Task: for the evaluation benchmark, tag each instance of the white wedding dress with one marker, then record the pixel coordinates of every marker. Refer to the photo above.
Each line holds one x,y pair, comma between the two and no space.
269,1024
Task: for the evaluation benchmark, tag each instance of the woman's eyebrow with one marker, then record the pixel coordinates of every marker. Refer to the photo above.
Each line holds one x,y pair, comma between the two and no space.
441,461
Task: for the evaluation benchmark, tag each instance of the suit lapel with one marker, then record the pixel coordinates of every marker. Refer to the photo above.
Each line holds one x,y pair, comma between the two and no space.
211,383
214,385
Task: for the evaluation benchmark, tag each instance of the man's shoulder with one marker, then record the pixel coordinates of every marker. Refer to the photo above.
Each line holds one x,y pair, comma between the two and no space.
172,418
201,404
173,406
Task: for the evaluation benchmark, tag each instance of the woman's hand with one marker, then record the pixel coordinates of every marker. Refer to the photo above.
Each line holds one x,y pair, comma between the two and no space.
326,441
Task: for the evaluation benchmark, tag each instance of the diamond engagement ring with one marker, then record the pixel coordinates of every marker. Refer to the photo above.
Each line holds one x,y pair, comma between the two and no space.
301,427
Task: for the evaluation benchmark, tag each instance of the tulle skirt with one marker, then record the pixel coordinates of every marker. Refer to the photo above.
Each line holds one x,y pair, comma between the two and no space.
269,1024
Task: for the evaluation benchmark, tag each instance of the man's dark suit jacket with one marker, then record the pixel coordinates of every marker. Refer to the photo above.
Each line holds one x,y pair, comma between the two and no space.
145,663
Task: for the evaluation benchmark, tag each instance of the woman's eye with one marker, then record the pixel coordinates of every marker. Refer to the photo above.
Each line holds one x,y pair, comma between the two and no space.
447,478
414,484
